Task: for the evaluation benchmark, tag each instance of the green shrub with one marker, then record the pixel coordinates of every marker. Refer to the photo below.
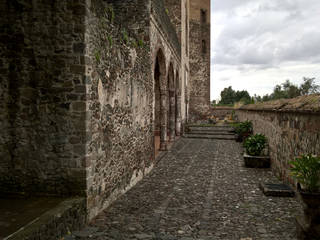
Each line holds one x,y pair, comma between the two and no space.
243,130
255,144
306,169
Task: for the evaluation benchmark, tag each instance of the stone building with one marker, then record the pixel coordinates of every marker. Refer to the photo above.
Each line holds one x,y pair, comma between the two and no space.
91,89
199,85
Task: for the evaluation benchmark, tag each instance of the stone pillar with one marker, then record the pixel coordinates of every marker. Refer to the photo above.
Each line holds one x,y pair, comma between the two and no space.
178,116
163,120
172,111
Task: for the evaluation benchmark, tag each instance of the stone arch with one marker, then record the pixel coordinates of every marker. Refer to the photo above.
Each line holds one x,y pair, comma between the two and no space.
178,104
171,103
160,114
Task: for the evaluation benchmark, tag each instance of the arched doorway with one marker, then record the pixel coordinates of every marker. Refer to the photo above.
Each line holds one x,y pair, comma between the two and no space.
172,104
160,115
178,105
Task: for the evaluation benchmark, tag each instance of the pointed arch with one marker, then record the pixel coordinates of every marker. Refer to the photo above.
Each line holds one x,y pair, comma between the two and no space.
178,104
171,103
160,114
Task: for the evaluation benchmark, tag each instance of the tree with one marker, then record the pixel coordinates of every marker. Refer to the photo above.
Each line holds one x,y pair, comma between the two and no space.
308,86
290,90
227,96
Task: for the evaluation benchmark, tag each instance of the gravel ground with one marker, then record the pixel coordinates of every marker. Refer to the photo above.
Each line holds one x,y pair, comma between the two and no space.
199,190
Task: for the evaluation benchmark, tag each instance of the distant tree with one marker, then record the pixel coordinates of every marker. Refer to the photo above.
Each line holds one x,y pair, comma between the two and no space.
290,90
277,92
308,86
257,98
243,96
227,96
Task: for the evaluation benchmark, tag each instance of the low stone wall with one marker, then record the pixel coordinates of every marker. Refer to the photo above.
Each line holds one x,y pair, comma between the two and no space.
54,224
221,112
291,126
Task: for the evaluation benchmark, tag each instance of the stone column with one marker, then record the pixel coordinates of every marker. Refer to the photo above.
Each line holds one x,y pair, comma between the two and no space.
163,120
172,111
178,120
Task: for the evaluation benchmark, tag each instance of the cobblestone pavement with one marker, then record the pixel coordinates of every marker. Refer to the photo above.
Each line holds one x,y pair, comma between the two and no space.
199,190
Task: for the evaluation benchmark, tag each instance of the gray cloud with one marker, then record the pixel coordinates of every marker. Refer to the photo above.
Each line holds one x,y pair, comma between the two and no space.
266,33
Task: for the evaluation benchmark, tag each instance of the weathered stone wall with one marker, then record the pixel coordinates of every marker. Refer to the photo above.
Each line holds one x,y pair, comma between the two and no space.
199,87
173,9
220,112
71,214
178,12
291,126
42,95
164,39
120,99
77,95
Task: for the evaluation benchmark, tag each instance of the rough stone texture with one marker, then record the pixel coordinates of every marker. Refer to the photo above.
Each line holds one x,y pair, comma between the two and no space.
199,85
178,12
199,190
77,95
221,112
120,99
42,97
166,69
292,127
55,223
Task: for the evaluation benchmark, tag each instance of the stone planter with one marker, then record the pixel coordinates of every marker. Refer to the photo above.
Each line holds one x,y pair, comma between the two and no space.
308,225
256,161
311,199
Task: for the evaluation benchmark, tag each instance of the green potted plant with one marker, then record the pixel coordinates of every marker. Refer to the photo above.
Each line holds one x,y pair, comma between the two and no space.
243,130
254,149
306,170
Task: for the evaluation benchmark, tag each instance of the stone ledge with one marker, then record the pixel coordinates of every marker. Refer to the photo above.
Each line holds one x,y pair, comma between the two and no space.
304,104
53,224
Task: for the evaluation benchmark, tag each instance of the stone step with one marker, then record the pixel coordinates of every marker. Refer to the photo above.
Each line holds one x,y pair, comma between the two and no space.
211,132
210,136
213,128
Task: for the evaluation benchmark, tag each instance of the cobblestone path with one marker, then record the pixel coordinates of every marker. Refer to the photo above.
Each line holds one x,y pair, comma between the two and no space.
199,190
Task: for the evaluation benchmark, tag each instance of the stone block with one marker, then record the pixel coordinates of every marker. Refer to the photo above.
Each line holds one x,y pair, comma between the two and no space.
277,190
256,161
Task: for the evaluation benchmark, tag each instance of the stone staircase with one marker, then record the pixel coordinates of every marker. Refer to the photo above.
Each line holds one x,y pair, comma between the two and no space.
222,132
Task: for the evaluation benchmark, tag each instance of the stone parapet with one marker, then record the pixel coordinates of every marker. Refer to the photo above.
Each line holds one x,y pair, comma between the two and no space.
292,127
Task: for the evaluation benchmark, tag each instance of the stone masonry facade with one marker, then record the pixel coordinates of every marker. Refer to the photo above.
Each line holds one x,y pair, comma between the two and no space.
291,126
87,90
199,84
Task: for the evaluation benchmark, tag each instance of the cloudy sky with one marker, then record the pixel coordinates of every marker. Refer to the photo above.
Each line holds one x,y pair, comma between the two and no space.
257,44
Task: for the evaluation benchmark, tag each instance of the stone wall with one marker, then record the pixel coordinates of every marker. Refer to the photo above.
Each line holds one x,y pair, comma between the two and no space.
120,99
71,214
221,112
42,95
178,12
199,86
291,126
77,96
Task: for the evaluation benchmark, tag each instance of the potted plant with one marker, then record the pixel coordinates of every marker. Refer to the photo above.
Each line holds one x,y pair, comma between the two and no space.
243,130
254,149
306,170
